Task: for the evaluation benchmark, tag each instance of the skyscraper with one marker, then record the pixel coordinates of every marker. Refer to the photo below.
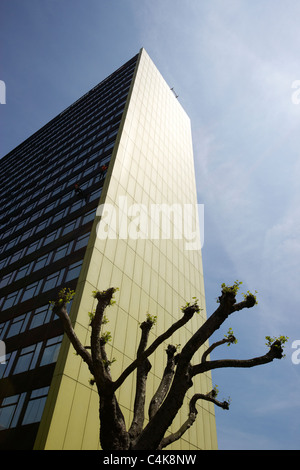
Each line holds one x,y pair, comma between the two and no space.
124,145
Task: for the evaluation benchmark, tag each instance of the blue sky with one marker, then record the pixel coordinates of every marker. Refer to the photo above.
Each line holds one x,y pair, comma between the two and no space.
232,63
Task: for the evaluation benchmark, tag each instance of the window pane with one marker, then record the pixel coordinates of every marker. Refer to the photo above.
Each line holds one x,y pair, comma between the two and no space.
49,238
50,207
23,271
77,205
16,326
82,241
59,215
5,369
18,410
74,271
16,256
6,280
11,299
61,252
42,225
3,263
23,363
40,316
41,262
89,216
3,328
69,227
52,280
95,195
34,246
34,410
50,354
36,355
6,416
31,291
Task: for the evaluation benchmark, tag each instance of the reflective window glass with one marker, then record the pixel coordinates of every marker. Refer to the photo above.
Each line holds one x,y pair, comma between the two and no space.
53,280
51,350
35,406
10,410
73,271
31,291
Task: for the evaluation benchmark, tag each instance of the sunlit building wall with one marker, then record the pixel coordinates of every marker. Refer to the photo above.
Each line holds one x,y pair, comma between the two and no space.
156,268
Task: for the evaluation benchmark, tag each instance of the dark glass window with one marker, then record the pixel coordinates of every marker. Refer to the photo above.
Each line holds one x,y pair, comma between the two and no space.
43,198
11,299
6,279
6,368
73,271
26,235
42,225
62,251
18,325
66,197
77,205
42,261
11,243
10,410
21,224
95,194
60,215
16,256
51,351
52,236
27,358
35,406
82,241
33,247
53,280
3,263
69,227
50,206
23,271
3,328
40,316
32,290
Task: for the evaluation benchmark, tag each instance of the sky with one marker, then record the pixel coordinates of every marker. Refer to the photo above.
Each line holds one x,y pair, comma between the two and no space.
235,67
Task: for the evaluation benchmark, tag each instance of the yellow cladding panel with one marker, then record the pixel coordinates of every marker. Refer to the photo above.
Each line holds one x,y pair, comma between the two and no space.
156,273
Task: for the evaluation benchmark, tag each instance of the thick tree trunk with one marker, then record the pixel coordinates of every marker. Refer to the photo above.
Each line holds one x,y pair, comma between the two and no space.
155,430
113,434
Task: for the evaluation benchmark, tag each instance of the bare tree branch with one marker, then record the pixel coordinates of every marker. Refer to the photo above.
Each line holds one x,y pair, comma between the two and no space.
166,441
188,314
60,310
230,339
275,352
227,306
141,380
165,383
101,373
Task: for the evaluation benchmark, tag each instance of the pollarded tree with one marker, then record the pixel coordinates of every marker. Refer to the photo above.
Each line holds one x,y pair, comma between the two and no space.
178,373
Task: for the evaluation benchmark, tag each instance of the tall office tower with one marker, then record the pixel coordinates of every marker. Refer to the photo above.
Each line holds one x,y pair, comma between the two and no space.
55,186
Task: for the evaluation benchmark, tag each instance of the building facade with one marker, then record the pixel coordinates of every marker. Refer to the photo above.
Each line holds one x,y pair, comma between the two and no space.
125,146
